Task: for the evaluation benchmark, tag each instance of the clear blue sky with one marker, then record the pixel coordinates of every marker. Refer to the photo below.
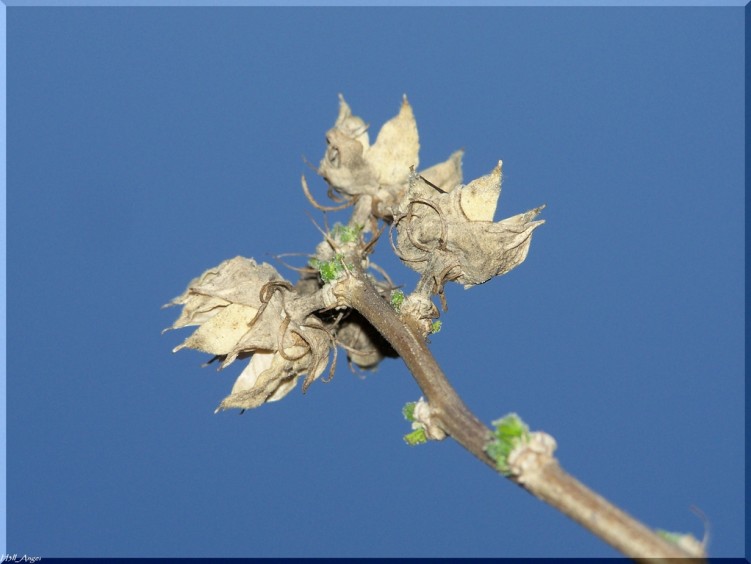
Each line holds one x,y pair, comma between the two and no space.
145,146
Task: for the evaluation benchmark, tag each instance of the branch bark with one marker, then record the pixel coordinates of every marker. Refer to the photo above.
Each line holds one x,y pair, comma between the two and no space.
547,481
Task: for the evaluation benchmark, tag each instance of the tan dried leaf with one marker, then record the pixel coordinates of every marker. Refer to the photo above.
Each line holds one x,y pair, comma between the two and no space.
226,304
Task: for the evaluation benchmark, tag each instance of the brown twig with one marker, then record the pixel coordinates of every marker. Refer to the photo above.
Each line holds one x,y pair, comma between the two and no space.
549,482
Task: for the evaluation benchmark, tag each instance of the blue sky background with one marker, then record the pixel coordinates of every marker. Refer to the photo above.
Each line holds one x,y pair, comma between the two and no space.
145,146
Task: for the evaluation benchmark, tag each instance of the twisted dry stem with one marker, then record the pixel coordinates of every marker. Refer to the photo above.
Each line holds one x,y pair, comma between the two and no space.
549,482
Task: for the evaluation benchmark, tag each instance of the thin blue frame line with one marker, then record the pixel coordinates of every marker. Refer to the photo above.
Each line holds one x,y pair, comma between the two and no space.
3,288
405,3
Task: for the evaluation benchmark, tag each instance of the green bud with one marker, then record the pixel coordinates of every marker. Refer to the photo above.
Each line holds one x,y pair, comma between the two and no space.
416,437
330,270
409,410
346,233
510,431
397,299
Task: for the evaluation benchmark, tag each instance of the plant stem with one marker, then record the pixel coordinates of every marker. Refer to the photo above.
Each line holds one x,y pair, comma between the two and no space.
446,406
550,484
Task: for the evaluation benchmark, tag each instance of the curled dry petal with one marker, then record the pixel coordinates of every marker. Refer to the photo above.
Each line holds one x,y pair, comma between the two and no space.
270,376
353,167
451,236
239,308
352,126
446,175
396,148
238,280
479,198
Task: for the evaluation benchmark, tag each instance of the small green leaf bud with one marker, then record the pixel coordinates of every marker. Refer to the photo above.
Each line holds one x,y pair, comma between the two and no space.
397,299
416,437
510,431
346,233
409,411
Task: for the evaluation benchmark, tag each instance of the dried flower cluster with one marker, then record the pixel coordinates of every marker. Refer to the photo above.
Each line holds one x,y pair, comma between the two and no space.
444,231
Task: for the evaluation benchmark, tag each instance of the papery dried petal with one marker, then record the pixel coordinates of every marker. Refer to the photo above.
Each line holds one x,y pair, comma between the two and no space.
446,175
480,197
219,334
264,332
238,280
451,236
352,126
396,148
344,166
269,376
496,248
259,363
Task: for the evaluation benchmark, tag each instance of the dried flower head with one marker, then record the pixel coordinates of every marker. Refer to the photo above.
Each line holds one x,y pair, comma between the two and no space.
445,232
353,167
450,235
241,308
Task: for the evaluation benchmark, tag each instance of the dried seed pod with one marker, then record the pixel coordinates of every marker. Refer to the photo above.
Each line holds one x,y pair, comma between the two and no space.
240,309
353,167
442,176
451,235
396,148
270,376
446,175
238,280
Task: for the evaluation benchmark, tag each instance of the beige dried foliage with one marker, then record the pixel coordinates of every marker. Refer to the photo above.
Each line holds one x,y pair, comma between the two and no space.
451,235
353,167
219,335
446,175
479,198
239,308
238,280
396,148
270,376
445,232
